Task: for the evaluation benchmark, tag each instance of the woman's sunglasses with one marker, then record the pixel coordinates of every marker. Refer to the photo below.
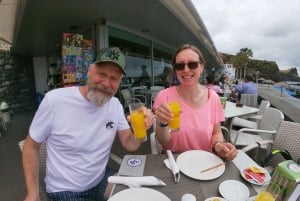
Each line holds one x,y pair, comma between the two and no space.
192,65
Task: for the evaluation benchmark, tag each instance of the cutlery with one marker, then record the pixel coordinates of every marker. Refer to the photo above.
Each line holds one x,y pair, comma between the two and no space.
213,167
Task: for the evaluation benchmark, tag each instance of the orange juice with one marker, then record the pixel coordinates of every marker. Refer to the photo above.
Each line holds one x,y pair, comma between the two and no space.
138,125
175,123
265,196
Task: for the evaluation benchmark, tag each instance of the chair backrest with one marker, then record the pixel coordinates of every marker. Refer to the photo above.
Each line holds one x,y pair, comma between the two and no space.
287,138
249,100
42,169
270,121
263,106
126,94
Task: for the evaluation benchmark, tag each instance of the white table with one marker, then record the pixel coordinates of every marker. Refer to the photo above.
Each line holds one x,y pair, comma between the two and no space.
231,110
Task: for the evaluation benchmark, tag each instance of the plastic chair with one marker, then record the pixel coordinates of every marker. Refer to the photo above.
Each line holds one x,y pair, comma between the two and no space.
253,132
284,145
249,100
262,108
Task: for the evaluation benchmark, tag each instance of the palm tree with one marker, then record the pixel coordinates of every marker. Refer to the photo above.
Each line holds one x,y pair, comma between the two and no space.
241,59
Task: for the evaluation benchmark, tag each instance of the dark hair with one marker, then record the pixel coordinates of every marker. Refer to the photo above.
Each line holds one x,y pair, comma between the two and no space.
188,46
249,77
210,79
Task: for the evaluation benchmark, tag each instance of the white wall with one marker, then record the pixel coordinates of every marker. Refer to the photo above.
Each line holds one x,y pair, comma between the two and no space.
40,67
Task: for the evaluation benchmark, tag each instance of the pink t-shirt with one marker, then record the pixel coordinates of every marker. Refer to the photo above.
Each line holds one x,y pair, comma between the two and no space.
196,124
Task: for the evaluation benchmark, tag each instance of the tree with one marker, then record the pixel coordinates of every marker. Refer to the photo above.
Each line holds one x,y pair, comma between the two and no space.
241,60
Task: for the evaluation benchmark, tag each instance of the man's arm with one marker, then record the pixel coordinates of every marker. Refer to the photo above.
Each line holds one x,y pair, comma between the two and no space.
30,157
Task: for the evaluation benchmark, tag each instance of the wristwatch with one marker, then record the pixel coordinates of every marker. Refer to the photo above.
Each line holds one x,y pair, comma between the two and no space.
163,124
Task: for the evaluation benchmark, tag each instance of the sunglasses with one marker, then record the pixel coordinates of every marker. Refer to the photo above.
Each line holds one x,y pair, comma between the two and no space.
192,65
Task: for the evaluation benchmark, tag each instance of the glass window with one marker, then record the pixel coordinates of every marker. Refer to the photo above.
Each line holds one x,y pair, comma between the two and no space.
141,70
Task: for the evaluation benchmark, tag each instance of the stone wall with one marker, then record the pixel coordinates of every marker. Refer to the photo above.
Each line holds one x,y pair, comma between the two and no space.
17,82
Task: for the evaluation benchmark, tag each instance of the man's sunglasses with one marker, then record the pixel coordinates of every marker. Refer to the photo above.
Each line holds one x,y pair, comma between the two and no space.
192,65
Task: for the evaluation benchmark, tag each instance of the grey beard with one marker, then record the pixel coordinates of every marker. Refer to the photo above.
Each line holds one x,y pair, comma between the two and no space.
97,98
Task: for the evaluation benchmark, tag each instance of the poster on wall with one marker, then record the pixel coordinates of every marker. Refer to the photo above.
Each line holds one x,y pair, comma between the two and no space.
77,54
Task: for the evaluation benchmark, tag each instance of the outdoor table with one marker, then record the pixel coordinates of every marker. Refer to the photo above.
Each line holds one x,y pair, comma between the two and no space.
201,189
231,110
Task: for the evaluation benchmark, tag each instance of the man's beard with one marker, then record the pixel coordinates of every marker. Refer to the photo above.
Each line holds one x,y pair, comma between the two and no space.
99,94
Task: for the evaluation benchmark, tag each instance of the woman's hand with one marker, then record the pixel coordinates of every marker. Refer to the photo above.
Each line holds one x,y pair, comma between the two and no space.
225,150
163,113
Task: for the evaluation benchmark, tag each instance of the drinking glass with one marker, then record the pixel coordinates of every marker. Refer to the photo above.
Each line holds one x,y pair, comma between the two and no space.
269,192
137,121
223,101
174,104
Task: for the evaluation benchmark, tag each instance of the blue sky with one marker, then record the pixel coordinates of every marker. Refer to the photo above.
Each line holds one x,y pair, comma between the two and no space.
270,28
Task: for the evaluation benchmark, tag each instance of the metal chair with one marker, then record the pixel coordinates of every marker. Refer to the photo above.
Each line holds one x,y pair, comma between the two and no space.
252,132
285,144
129,98
2,123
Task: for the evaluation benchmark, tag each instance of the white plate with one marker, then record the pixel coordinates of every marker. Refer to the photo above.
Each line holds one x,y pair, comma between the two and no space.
212,198
138,194
192,162
234,190
267,178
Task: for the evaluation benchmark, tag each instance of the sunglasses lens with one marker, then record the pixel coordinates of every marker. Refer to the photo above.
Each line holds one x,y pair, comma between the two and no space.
191,65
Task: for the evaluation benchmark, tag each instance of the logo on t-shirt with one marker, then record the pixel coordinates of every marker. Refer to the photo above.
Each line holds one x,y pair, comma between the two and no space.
109,124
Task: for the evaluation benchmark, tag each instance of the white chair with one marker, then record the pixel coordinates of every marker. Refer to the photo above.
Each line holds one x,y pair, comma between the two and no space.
286,139
249,99
262,108
252,132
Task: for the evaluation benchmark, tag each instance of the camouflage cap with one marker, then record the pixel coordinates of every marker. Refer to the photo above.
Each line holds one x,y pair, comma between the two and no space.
112,54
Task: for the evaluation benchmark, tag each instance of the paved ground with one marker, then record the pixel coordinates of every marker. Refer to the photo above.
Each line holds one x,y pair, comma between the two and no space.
288,105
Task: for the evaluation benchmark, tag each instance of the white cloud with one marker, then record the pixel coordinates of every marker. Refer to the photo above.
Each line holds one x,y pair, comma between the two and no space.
270,28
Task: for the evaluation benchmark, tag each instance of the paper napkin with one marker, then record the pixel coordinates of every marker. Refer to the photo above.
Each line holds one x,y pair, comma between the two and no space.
173,166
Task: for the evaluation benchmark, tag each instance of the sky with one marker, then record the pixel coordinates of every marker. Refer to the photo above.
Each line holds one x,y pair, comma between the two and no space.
270,28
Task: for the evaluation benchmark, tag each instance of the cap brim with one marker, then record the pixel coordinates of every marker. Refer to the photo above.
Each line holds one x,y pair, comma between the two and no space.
97,62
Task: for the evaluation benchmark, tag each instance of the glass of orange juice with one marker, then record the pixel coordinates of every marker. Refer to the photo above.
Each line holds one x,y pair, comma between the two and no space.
174,124
269,192
137,121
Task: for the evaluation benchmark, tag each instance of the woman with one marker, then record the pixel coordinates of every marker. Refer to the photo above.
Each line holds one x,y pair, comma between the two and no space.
201,109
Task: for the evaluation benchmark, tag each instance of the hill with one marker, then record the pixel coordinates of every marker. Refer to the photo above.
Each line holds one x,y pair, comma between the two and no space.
267,69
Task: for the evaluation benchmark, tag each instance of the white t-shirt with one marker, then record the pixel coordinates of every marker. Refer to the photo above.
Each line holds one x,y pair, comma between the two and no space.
78,135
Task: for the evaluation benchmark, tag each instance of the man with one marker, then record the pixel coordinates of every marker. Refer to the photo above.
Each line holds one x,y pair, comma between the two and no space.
248,87
79,125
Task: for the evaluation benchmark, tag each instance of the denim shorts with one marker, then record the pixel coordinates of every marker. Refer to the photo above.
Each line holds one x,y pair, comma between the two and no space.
94,194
